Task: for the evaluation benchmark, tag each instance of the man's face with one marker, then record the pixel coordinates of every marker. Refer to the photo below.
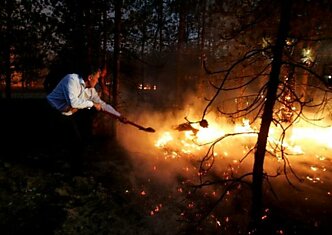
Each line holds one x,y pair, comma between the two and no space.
93,79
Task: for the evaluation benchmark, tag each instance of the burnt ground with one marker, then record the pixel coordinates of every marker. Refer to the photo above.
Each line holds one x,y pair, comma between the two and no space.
44,191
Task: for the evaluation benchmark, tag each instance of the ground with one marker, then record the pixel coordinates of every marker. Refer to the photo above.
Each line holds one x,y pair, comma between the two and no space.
41,193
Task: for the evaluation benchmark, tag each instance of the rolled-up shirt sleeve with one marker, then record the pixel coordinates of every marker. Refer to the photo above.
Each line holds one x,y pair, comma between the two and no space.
108,108
76,101
104,106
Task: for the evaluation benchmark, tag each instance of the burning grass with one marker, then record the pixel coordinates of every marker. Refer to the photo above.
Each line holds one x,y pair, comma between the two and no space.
193,169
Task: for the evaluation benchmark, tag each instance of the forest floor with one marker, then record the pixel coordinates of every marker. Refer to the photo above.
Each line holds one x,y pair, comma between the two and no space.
41,194
39,191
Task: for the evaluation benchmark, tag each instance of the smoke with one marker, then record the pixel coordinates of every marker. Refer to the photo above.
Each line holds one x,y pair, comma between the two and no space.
304,175
167,164
147,159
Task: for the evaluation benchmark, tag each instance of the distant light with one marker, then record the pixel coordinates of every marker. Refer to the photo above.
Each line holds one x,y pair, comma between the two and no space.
146,87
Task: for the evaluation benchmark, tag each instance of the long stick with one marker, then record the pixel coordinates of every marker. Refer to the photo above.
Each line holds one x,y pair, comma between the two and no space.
147,129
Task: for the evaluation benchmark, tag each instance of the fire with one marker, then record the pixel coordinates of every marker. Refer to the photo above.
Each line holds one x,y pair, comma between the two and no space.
320,136
206,135
164,139
245,127
187,143
176,144
307,56
177,155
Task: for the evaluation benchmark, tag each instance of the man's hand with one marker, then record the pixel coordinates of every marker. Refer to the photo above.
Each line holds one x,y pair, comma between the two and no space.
97,106
73,110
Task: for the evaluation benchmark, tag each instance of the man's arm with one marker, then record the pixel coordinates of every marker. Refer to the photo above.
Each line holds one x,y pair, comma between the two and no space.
103,105
73,94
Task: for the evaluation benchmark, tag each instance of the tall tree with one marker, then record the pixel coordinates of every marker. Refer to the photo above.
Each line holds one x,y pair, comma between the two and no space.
117,48
26,41
182,39
262,56
267,115
7,14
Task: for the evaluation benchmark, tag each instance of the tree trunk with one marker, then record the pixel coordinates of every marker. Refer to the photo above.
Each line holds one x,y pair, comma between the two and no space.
267,117
143,43
105,32
201,84
181,43
160,23
8,90
7,46
116,65
89,33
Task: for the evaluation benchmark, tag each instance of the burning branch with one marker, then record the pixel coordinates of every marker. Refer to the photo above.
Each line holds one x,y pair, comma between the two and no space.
187,126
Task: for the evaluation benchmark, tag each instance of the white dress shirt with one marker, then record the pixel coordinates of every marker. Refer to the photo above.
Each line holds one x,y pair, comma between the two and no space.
71,92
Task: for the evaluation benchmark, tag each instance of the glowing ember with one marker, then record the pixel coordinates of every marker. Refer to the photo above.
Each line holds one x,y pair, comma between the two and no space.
218,223
156,209
313,168
307,56
143,193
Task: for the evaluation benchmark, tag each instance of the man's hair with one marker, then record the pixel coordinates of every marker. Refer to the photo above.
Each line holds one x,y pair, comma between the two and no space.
88,70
